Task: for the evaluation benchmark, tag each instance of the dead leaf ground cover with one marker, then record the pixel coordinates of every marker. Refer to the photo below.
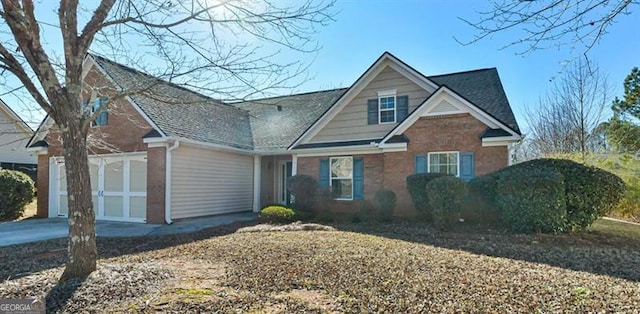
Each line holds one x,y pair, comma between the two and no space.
400,267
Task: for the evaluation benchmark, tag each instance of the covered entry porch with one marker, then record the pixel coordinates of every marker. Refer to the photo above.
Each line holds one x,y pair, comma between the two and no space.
271,173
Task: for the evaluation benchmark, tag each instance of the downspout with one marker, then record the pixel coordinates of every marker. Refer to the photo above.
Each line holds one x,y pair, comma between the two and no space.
167,192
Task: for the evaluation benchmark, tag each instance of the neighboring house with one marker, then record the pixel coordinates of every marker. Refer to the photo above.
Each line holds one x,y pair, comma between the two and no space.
170,153
14,135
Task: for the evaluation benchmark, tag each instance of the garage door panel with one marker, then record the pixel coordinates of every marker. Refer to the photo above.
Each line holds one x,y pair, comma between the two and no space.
114,176
112,197
138,176
138,207
113,206
63,208
62,178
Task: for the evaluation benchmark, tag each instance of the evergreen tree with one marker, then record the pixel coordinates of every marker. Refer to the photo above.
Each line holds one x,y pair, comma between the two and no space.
624,126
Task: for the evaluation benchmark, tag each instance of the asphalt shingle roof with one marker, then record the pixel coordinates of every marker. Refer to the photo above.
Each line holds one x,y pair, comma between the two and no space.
180,112
272,124
484,89
277,122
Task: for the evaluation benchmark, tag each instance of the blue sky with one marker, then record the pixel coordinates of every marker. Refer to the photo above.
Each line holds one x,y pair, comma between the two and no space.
421,33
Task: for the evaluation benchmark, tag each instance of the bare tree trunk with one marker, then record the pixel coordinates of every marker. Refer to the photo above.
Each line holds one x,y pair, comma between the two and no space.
82,231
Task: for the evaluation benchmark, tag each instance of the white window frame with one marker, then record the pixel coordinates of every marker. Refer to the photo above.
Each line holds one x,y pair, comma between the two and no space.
331,178
444,152
388,94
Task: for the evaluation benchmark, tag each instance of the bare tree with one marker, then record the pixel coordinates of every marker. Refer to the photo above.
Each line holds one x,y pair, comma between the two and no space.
567,119
579,24
221,47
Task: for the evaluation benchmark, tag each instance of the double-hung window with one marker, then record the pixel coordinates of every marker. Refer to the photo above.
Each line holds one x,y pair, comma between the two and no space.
444,162
341,177
387,106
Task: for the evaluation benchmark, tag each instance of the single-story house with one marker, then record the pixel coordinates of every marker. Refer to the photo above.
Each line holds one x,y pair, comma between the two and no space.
170,153
14,136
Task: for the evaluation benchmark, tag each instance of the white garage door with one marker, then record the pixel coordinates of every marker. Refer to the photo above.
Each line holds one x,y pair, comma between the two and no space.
118,185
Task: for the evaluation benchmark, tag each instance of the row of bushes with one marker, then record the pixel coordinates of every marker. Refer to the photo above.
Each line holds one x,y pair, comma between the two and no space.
16,191
380,211
310,202
543,195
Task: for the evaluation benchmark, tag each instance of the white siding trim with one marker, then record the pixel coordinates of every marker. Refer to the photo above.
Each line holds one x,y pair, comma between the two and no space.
167,182
294,165
257,163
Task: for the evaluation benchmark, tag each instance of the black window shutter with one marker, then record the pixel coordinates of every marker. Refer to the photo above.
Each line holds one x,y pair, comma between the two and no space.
403,107
372,111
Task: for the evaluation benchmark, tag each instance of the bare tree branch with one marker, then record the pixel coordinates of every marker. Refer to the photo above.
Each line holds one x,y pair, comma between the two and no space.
543,24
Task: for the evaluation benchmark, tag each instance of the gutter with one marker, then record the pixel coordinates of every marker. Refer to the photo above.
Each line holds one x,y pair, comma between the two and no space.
167,192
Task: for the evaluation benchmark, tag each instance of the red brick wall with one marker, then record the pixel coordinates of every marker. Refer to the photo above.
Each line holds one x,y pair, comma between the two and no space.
42,185
430,134
459,132
156,184
373,179
123,132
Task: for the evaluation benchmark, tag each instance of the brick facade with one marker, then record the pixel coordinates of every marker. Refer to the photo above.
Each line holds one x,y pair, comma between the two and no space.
123,133
42,183
156,184
459,132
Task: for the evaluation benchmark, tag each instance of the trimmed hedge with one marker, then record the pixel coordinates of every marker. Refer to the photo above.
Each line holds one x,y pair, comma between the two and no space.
303,188
532,200
479,205
590,192
277,214
385,204
445,199
416,185
16,191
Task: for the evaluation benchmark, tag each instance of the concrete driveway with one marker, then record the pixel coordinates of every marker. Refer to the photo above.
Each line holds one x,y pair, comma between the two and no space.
33,230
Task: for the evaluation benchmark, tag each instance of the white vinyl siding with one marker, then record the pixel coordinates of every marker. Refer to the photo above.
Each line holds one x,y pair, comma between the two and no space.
13,140
351,123
209,182
445,107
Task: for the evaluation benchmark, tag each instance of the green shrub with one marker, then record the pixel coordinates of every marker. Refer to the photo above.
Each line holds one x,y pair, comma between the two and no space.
16,191
479,205
445,199
303,188
385,204
416,185
532,199
277,214
590,192
367,213
324,200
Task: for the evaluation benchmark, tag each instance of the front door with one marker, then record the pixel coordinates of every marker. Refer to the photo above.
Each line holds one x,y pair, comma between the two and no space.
284,173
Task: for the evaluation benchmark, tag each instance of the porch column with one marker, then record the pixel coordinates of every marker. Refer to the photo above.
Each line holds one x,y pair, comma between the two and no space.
257,163
294,165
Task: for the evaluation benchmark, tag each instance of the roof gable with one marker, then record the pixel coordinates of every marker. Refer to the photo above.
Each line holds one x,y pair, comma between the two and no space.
452,103
385,60
13,117
482,88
